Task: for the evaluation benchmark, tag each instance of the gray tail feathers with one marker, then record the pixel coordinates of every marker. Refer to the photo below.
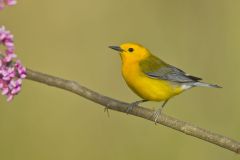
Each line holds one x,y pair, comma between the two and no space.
202,84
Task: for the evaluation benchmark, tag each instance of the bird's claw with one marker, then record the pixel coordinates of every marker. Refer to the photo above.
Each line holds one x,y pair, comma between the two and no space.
131,106
134,104
156,114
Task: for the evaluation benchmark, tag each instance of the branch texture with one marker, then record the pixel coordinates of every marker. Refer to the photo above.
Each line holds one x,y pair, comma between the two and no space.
110,103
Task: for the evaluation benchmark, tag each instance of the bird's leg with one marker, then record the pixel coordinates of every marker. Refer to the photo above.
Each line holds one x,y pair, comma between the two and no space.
158,111
135,104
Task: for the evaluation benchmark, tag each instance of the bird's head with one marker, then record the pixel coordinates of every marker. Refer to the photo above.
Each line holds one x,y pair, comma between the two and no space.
131,52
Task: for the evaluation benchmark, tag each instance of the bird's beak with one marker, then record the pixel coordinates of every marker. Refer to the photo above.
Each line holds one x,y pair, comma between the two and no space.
117,48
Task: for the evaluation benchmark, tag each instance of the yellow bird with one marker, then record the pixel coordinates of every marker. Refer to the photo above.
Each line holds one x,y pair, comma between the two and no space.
151,78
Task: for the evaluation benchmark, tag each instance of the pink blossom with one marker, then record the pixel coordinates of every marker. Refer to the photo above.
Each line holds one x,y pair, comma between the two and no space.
4,3
11,73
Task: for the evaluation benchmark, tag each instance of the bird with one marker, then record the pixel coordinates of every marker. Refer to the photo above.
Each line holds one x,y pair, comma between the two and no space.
151,78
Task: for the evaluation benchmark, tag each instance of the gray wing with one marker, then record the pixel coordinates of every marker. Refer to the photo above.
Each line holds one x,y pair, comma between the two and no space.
173,74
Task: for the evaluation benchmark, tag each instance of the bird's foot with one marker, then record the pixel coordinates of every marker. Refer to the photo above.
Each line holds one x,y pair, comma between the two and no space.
131,106
134,104
156,114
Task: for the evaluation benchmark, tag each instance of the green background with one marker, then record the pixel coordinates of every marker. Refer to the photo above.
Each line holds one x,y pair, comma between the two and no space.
69,39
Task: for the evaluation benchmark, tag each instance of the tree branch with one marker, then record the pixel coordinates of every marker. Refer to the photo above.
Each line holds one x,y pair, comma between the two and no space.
185,127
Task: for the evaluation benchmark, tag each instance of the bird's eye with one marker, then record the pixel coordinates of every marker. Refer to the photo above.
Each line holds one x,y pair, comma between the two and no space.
130,49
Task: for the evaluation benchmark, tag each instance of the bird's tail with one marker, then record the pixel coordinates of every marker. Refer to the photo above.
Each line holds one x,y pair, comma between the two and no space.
202,84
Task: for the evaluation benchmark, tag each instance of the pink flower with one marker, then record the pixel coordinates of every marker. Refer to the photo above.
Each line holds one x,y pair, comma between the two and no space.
11,73
4,3
10,2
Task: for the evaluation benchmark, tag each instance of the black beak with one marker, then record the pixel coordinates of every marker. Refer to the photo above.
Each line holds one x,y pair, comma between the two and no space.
117,48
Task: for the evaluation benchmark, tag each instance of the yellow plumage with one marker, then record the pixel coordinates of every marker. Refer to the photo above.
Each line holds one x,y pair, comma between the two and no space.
146,87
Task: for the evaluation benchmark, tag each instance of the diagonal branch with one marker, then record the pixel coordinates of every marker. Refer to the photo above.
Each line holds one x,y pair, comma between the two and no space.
185,127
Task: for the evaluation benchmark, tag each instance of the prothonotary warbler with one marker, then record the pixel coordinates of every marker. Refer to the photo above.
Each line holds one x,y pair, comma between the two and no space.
151,78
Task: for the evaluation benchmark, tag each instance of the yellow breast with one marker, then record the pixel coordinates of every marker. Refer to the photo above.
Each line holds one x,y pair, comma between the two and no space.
146,87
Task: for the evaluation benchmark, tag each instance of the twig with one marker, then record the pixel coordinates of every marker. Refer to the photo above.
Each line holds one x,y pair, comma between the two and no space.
110,103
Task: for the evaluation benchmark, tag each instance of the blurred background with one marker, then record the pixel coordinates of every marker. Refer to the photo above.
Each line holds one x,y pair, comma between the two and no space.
70,39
